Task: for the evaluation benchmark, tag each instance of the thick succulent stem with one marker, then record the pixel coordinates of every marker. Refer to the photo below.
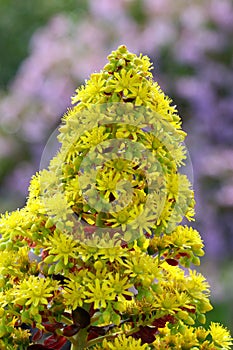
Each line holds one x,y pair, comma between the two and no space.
79,341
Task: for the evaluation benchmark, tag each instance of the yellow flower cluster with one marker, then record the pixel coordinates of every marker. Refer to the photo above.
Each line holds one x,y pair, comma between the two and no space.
96,256
189,338
122,111
122,343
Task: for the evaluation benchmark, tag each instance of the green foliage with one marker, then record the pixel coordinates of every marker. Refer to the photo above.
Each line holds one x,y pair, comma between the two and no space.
19,20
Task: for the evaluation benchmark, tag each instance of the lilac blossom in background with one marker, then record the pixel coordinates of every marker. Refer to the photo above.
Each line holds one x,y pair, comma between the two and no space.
191,46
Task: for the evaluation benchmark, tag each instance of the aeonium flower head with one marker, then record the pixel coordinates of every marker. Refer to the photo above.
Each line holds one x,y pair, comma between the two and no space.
96,256
112,126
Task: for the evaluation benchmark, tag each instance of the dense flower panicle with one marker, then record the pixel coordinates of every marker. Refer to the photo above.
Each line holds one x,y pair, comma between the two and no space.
96,255
124,72
125,78
195,67
194,338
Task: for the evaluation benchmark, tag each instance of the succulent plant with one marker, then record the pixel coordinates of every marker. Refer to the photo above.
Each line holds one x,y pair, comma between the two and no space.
100,256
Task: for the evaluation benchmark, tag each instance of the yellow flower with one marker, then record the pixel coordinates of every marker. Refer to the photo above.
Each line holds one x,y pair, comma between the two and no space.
21,337
107,182
220,336
11,222
171,301
120,218
101,272
89,251
140,93
142,267
145,65
34,291
186,237
124,81
63,247
162,105
121,165
185,340
93,138
35,186
57,206
196,284
93,90
143,219
4,300
100,294
74,294
121,286
123,343
73,192
7,258
114,254
129,131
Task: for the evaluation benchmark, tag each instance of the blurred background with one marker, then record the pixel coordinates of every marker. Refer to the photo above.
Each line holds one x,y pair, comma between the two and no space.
48,48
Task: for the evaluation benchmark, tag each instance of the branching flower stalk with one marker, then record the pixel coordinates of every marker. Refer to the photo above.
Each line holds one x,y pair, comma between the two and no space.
99,257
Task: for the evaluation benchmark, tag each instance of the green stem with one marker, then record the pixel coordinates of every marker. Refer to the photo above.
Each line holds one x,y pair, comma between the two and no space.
101,338
79,341
110,336
66,320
